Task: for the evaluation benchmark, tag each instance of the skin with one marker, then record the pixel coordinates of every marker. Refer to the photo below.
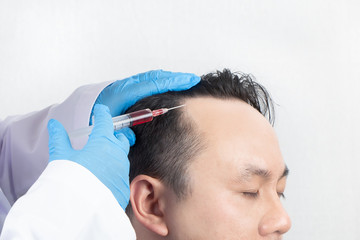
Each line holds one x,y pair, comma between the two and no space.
236,182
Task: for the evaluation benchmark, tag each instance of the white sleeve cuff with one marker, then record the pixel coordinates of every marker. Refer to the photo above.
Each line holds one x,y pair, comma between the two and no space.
67,202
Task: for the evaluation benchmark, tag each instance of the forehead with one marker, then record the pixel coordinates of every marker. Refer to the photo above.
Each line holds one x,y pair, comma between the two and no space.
235,134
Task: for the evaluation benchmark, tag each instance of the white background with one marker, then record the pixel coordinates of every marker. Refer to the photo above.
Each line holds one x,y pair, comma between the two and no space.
307,53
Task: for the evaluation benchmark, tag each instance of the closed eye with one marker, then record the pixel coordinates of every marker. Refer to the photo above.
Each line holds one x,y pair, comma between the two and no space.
255,195
252,195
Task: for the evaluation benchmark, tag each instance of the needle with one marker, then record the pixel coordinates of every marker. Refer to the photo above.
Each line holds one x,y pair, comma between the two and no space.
176,107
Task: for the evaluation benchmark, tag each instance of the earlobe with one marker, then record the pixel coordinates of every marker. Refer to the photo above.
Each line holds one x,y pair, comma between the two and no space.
147,201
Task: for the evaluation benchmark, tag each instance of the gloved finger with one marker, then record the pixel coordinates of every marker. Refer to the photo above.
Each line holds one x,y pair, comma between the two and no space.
103,123
129,134
159,81
131,90
124,141
59,142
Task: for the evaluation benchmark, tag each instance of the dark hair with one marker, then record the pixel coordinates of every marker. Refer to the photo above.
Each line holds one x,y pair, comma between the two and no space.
165,146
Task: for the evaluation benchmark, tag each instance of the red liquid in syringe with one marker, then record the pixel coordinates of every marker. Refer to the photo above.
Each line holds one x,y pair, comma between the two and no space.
145,115
140,117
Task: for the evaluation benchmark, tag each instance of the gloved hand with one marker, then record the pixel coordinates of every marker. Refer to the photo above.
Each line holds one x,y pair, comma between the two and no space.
104,154
122,94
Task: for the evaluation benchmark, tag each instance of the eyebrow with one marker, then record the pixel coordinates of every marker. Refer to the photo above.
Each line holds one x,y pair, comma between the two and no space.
252,170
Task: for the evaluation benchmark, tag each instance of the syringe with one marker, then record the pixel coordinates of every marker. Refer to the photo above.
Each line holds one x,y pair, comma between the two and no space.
126,120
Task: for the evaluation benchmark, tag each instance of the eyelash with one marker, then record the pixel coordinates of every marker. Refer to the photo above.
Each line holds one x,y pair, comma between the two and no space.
281,195
255,195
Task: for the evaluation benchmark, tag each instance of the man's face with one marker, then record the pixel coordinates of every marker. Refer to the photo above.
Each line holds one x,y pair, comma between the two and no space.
236,182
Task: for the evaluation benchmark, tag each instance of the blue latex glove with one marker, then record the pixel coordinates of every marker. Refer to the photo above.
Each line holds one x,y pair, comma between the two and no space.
104,154
122,94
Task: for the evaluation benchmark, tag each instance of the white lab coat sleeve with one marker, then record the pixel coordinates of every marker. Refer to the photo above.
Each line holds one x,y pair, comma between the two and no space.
24,139
67,202
24,142
4,208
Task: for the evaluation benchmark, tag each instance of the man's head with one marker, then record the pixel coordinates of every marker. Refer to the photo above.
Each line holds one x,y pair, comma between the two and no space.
209,170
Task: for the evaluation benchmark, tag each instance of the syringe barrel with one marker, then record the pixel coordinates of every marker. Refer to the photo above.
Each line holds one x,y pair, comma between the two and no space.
132,119
81,132
119,122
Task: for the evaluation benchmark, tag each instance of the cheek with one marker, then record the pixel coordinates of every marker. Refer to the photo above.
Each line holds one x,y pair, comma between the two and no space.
221,215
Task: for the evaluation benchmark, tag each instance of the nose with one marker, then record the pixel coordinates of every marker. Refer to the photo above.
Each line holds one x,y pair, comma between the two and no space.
276,221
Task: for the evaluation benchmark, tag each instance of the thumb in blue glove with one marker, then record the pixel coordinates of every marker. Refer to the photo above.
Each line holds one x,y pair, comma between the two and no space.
104,155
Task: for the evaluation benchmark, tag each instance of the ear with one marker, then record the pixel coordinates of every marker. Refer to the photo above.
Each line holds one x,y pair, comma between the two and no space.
147,197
